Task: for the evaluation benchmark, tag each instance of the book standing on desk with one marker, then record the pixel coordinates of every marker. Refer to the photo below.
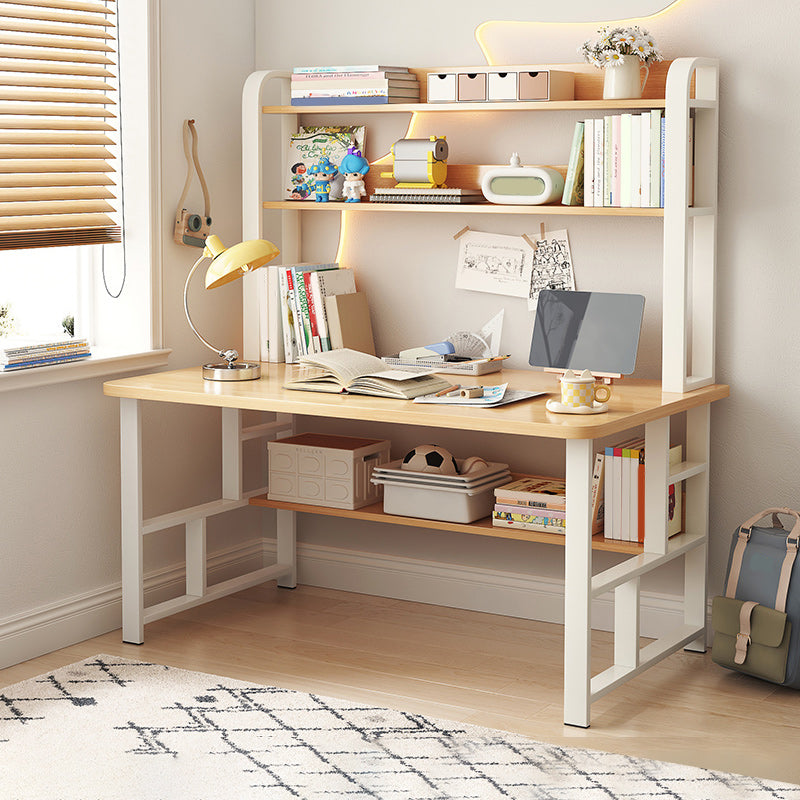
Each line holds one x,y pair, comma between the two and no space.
287,280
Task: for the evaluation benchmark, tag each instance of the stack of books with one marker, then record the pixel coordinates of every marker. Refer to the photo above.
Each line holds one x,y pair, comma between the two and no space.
619,159
537,503
624,493
368,84
297,320
22,354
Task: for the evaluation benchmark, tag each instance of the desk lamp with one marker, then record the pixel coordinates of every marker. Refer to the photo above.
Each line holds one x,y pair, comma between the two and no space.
228,264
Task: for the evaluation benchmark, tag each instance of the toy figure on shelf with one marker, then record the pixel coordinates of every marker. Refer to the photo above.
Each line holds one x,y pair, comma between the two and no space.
324,172
354,167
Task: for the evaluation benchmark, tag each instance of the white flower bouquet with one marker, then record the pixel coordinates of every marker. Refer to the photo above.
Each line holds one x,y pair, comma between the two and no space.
614,43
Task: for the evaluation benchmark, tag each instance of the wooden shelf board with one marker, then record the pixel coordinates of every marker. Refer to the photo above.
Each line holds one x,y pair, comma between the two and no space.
460,108
467,208
483,527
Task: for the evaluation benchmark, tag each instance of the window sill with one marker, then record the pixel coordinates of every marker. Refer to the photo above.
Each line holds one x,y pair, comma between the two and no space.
98,365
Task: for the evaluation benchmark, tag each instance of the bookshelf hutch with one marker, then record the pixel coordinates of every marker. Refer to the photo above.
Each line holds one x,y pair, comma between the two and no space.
685,87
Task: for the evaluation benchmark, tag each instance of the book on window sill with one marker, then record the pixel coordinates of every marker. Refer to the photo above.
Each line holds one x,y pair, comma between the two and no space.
44,361
18,346
348,371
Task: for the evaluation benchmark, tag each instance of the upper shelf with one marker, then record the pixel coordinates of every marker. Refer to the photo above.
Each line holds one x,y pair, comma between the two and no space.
588,96
460,108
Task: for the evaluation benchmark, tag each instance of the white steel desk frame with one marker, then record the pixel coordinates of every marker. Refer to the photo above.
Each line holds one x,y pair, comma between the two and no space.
581,689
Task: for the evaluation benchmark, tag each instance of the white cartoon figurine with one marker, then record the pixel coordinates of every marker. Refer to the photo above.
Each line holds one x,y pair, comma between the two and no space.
354,167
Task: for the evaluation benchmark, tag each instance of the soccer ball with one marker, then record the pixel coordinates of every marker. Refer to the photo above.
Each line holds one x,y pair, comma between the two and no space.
430,458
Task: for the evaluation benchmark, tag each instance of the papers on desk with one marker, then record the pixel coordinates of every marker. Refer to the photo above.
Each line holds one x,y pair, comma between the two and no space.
493,396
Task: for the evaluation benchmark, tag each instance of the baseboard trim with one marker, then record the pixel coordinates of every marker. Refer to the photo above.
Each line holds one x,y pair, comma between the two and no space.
471,588
85,616
81,617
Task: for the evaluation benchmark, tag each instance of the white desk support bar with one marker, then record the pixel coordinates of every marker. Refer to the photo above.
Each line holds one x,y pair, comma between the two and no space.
581,689
135,527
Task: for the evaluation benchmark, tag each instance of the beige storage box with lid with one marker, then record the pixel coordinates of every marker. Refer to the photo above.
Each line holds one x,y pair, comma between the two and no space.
325,470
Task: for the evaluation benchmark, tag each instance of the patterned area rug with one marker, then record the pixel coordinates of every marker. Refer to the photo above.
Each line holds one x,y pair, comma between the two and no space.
115,728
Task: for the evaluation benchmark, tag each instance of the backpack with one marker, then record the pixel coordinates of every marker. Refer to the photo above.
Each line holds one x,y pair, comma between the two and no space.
757,623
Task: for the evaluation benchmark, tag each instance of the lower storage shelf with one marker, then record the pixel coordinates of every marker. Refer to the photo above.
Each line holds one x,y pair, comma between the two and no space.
482,527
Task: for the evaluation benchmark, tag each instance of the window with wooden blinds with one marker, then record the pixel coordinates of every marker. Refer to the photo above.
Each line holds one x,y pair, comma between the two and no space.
57,122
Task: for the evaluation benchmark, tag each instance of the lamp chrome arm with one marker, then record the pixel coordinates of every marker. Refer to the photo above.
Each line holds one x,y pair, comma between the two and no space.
197,333
231,370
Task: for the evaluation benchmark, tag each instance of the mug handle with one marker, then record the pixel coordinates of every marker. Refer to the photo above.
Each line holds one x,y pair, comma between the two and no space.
601,387
644,82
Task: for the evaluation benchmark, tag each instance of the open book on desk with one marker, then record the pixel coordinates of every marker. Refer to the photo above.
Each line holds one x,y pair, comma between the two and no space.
351,372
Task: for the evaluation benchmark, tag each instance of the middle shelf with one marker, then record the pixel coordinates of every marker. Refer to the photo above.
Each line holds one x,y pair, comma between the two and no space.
465,208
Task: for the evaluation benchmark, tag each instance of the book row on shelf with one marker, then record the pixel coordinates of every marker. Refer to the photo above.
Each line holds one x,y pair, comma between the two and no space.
617,161
540,504
370,84
16,354
624,493
302,307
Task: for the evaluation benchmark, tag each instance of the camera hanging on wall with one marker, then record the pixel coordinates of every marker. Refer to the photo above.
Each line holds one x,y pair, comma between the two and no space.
192,229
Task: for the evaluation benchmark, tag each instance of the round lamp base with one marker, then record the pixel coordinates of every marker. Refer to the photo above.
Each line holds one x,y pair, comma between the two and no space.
238,371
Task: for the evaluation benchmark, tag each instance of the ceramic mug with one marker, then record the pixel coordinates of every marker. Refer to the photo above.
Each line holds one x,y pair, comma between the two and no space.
582,390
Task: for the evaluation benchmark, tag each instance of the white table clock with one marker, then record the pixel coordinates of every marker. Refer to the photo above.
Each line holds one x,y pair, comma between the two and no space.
518,185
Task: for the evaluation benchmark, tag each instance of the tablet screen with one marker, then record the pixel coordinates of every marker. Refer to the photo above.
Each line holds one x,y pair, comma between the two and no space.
587,330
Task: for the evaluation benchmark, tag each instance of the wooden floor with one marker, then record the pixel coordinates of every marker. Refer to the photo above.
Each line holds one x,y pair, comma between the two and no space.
484,669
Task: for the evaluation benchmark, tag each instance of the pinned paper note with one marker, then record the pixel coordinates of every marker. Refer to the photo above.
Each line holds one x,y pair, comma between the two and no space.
552,266
492,262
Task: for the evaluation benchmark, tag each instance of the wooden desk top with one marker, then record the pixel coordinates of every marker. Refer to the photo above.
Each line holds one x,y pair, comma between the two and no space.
633,402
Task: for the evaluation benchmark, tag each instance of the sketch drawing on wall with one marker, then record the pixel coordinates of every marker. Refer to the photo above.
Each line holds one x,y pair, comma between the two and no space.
495,263
552,266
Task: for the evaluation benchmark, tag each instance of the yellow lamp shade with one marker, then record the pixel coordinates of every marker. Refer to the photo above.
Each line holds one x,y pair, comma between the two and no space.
230,263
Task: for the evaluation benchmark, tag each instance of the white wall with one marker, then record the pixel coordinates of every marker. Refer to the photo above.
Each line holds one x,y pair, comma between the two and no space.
59,451
756,460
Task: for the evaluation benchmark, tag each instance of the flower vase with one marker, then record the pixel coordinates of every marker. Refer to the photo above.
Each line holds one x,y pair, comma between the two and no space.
622,79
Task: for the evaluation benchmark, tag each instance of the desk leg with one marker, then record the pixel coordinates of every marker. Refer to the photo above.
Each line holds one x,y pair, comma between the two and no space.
132,535
578,583
286,523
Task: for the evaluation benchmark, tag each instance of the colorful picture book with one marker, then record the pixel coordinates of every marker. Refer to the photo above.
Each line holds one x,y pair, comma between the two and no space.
312,143
537,503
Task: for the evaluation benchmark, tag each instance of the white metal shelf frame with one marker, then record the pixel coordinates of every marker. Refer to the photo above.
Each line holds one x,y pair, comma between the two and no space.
135,527
690,224
689,267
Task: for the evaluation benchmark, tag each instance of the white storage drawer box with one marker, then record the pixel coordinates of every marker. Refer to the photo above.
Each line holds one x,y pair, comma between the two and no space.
325,470
441,87
498,84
